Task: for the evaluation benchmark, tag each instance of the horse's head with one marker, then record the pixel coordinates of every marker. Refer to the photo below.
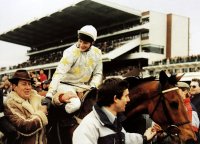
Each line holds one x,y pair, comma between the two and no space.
172,107
162,101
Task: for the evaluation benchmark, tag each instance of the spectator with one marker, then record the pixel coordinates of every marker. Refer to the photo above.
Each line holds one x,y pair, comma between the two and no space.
195,93
4,78
192,114
6,127
6,89
102,125
24,110
42,76
45,87
36,82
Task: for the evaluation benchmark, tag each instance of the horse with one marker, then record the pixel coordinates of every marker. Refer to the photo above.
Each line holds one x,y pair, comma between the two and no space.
161,100
158,98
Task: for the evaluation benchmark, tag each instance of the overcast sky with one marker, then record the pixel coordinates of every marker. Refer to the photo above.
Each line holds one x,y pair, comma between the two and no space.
14,13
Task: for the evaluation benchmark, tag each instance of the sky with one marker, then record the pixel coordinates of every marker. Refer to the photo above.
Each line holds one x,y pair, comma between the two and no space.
15,13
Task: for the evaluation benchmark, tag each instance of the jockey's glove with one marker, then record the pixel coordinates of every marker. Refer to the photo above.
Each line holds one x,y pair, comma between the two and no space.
47,101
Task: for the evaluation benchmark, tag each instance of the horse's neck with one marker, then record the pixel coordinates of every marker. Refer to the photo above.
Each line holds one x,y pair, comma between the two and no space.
138,102
86,107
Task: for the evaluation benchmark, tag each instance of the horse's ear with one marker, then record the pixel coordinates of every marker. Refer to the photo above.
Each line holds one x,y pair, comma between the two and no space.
179,76
163,77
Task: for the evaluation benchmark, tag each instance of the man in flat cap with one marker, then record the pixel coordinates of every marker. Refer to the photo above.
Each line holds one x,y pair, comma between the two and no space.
191,109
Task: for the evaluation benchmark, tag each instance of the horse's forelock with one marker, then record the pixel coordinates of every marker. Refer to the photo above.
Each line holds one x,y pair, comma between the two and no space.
164,79
172,80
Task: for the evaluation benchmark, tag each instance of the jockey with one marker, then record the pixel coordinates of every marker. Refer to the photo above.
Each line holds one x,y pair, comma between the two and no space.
79,69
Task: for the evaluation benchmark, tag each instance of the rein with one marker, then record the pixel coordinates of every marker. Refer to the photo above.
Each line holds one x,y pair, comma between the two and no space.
172,129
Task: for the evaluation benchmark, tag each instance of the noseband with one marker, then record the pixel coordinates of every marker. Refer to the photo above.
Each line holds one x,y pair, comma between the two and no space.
172,128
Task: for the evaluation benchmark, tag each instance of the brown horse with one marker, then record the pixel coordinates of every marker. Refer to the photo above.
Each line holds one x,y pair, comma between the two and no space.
162,101
158,98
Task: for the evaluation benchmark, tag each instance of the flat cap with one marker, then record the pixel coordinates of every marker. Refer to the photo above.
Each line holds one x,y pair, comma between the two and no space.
183,85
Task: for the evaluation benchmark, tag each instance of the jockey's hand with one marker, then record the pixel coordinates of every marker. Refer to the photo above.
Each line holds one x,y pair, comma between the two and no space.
150,133
65,97
157,128
47,101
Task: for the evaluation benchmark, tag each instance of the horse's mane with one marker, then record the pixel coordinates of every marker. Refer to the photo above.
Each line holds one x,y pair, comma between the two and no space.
134,81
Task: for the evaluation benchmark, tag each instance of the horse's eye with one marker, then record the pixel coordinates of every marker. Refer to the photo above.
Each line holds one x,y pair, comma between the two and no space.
174,105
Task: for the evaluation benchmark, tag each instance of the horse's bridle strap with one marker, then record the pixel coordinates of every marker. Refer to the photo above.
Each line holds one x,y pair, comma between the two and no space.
171,89
160,98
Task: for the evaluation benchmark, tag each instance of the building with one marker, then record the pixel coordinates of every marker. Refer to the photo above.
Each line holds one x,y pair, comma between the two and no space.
129,39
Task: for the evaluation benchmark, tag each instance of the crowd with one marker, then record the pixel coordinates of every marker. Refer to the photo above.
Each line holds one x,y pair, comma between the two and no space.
175,60
52,56
55,55
115,28
27,99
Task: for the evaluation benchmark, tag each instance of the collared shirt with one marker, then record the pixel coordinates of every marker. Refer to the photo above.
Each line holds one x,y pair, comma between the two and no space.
110,116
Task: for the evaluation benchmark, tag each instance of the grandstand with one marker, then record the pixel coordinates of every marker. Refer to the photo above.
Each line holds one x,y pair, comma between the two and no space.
128,38
189,65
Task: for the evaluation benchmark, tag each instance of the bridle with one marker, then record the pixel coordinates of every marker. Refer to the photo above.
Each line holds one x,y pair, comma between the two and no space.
172,128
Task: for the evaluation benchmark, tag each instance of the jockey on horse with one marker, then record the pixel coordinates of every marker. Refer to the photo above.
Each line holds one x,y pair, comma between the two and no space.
79,69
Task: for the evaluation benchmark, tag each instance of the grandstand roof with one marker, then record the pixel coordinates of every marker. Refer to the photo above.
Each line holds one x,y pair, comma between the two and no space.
62,26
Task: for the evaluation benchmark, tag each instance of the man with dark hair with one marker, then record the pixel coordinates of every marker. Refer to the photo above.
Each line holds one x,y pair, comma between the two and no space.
103,124
195,94
195,97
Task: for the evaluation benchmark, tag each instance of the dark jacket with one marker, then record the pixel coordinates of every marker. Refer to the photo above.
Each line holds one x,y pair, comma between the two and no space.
195,100
5,126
